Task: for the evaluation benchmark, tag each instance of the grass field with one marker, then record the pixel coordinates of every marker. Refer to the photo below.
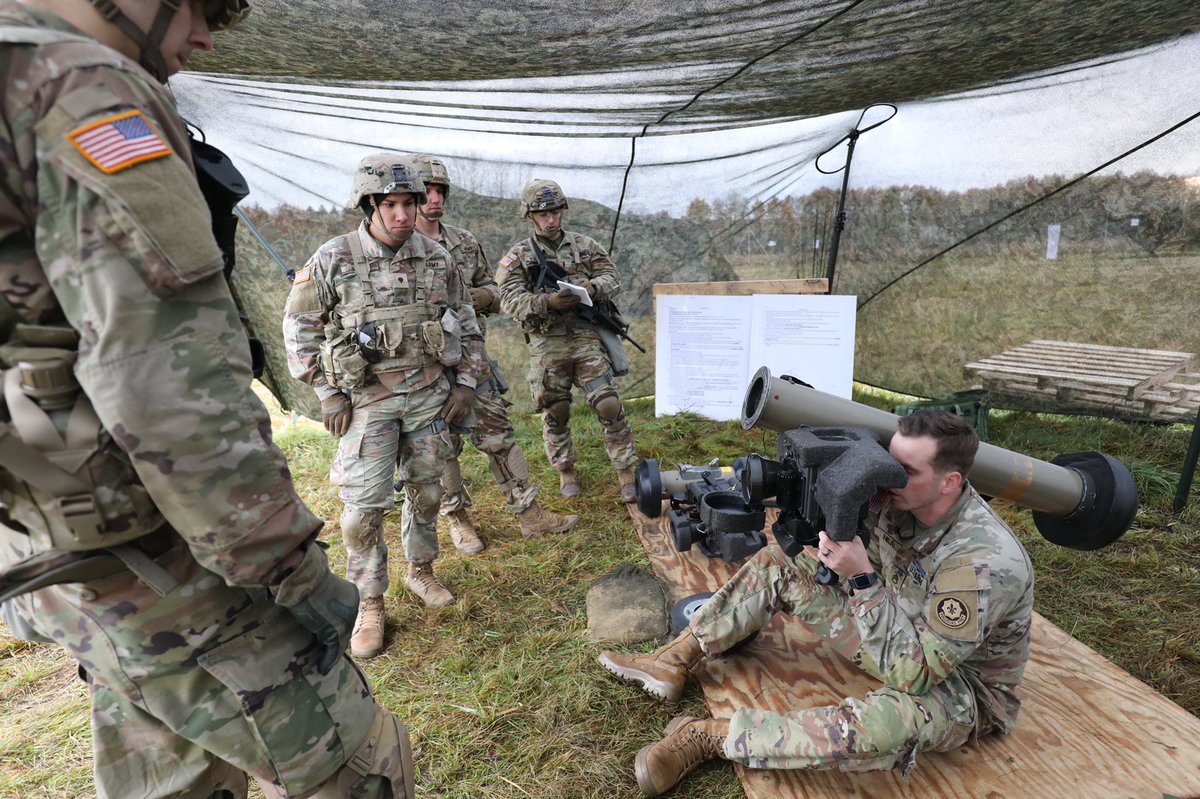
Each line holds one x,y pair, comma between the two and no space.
502,694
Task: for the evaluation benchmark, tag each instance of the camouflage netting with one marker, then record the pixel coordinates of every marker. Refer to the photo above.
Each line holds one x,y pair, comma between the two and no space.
694,129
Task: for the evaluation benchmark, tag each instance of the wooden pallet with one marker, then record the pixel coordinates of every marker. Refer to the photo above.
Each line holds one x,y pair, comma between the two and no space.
1068,377
1087,729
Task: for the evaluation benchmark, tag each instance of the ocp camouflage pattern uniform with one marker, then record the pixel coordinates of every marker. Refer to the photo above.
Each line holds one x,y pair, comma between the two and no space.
493,434
197,670
564,350
947,630
398,401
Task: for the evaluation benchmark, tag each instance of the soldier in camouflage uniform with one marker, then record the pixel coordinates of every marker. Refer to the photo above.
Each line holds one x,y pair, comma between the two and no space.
565,349
148,525
494,434
938,608
379,322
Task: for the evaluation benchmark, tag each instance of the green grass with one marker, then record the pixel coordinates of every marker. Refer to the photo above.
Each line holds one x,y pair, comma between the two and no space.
501,692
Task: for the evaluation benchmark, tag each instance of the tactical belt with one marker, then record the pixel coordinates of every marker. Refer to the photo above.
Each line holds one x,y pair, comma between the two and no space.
52,567
433,428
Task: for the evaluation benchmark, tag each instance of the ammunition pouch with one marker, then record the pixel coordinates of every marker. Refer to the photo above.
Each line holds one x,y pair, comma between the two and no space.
342,360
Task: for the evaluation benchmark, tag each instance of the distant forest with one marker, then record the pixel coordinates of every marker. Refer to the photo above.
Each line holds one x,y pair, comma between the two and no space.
1143,214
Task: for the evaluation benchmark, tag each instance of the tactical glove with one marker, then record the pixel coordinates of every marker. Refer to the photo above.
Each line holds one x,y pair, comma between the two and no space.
335,414
481,298
562,300
323,603
584,283
457,408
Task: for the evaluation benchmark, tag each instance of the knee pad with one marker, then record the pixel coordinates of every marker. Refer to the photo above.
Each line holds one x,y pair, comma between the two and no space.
361,528
384,760
426,497
607,407
509,465
558,414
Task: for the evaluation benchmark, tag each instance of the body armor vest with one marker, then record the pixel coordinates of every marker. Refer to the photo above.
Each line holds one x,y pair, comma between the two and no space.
369,339
557,324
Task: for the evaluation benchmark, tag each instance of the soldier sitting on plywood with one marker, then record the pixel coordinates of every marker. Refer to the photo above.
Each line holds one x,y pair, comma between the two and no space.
939,609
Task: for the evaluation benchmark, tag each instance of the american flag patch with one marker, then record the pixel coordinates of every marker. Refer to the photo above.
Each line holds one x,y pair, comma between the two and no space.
119,142
505,261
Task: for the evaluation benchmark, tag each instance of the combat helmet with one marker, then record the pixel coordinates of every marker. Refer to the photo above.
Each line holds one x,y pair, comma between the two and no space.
387,173
433,170
220,15
225,14
542,195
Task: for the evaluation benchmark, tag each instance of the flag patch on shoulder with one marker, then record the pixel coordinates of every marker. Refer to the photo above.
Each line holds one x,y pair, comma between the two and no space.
302,276
505,261
119,142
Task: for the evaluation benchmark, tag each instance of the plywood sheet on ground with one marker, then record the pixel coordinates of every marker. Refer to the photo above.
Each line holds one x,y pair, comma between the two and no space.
1087,729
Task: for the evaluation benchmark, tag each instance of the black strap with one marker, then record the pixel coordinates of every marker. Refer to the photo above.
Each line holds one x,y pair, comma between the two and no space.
148,44
546,266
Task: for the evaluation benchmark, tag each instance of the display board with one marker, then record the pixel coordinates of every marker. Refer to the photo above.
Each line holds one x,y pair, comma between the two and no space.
708,347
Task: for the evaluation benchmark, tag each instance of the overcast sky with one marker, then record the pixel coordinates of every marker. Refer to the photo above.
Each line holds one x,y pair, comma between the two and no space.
298,144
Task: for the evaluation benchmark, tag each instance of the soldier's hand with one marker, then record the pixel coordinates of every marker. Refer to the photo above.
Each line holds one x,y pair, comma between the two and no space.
481,298
563,300
323,603
457,408
585,284
335,414
329,613
845,558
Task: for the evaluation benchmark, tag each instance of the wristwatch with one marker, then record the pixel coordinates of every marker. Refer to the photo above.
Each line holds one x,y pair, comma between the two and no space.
861,582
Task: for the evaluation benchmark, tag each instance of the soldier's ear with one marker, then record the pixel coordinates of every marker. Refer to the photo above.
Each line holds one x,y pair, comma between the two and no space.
951,482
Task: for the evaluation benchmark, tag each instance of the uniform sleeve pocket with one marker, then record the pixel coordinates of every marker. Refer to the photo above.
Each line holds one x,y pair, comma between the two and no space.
956,602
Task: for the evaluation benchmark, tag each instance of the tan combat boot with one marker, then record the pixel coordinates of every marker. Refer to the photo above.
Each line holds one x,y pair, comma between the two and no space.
463,534
367,639
687,743
422,582
568,483
536,520
662,673
628,491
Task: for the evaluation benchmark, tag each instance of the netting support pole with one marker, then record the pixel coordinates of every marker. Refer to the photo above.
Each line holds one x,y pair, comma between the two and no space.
839,222
1189,468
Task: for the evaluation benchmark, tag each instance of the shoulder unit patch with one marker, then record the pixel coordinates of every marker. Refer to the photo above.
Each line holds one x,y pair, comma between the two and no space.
119,142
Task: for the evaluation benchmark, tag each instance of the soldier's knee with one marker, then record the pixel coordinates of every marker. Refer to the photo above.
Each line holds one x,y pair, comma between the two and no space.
361,528
558,414
382,767
607,406
425,497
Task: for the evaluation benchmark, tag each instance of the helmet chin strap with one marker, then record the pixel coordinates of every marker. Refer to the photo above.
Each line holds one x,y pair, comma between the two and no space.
148,43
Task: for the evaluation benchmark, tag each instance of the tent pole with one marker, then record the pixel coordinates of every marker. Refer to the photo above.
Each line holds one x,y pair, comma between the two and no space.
1189,468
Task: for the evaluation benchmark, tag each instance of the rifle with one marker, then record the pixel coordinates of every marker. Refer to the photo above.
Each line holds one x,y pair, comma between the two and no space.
596,314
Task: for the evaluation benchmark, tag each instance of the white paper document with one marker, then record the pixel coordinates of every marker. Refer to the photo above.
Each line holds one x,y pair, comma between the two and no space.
708,347
580,290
